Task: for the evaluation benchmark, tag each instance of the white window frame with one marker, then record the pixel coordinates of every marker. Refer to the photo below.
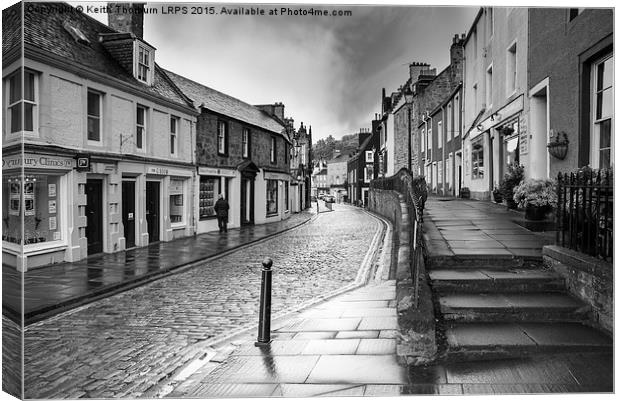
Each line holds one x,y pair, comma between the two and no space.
423,140
595,138
222,134
21,73
245,143
174,135
370,156
449,130
489,87
457,114
273,149
100,118
139,63
144,126
439,134
511,68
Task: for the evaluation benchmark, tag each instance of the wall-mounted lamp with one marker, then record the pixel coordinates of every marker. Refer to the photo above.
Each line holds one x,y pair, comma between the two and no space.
480,127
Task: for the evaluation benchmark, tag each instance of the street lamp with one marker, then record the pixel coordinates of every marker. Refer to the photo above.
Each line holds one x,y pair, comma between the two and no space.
409,101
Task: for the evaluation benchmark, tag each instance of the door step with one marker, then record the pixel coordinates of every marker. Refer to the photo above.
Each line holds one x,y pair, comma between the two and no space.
493,281
485,261
535,307
468,341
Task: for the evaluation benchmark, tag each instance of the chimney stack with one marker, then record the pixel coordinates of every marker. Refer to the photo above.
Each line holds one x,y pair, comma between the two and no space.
127,18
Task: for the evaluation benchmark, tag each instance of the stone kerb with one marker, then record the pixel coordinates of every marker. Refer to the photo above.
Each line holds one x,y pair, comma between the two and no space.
588,279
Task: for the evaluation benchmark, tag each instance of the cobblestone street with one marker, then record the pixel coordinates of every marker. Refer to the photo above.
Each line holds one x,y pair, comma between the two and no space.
123,345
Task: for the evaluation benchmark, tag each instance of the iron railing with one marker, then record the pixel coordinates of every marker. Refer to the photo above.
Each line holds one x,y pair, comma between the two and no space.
585,212
415,192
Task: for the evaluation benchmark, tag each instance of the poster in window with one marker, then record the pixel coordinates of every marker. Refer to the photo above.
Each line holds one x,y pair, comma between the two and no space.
29,205
51,190
52,221
57,236
52,206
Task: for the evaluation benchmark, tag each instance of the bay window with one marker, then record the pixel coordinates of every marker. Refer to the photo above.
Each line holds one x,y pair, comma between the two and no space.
22,102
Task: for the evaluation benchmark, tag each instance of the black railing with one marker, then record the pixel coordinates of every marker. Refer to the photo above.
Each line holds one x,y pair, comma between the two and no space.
585,212
415,192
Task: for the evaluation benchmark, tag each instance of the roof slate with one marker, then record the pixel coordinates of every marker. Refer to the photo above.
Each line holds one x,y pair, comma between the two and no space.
44,30
224,104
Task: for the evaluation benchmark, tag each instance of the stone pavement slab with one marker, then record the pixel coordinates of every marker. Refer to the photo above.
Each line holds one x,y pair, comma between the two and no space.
325,356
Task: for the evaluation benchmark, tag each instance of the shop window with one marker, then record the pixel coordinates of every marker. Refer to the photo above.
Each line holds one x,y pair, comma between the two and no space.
209,189
511,143
39,205
94,116
176,201
602,143
20,102
477,159
272,197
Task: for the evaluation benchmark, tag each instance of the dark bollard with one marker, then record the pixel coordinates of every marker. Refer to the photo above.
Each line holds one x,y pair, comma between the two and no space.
264,319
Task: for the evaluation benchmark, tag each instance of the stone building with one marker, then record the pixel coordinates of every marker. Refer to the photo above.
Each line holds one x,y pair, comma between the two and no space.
106,143
242,152
361,166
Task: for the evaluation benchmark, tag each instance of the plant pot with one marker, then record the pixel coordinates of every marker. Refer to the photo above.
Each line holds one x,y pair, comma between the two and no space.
536,212
498,198
510,203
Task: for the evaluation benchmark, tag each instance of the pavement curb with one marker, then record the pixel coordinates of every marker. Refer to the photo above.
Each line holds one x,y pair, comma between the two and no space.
74,304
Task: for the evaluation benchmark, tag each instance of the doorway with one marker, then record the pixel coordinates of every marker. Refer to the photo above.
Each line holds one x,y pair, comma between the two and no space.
129,213
94,216
247,201
152,210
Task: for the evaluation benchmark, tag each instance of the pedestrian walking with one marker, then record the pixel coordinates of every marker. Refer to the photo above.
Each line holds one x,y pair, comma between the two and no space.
221,210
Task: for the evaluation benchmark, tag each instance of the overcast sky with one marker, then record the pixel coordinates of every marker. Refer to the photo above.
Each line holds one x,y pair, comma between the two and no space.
328,71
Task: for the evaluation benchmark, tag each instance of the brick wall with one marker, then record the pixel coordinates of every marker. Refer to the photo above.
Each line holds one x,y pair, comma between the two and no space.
260,140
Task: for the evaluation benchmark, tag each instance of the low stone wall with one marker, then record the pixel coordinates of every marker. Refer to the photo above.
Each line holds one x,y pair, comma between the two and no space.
588,279
417,325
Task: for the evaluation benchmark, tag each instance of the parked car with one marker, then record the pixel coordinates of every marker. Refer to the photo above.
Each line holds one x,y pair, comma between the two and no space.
329,199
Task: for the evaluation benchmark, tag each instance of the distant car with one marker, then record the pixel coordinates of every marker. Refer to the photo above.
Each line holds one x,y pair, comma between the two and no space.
329,199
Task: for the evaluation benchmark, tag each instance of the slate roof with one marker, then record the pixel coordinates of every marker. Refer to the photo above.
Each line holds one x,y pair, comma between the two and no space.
44,31
224,104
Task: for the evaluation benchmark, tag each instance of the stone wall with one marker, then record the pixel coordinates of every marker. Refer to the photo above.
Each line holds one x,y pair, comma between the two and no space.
588,279
417,325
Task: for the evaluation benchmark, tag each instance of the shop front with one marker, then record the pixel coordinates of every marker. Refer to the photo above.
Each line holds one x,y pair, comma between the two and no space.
211,183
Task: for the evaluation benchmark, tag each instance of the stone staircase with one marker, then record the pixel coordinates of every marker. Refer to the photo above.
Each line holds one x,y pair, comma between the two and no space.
495,307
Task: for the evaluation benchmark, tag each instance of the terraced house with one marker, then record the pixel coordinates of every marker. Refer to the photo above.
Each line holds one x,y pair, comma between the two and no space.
242,153
96,135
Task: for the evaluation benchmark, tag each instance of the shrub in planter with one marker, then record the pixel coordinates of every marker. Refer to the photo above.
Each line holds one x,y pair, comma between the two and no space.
512,178
465,194
497,195
537,197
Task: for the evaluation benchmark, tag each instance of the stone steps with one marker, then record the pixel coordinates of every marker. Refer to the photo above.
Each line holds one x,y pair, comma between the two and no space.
506,307
446,281
468,341
528,259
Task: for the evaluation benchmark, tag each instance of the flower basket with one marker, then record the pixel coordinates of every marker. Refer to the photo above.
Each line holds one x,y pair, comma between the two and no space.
558,148
537,197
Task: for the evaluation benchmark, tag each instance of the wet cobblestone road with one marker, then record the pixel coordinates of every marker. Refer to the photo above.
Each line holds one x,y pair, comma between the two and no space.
123,345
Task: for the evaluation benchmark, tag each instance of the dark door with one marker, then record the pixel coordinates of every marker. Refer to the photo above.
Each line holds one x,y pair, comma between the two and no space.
94,216
247,201
129,213
152,210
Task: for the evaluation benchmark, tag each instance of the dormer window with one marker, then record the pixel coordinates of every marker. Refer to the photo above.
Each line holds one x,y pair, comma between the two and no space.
144,63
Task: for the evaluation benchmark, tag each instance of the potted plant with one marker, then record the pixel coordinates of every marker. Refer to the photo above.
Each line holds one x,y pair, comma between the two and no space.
537,197
512,178
497,195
